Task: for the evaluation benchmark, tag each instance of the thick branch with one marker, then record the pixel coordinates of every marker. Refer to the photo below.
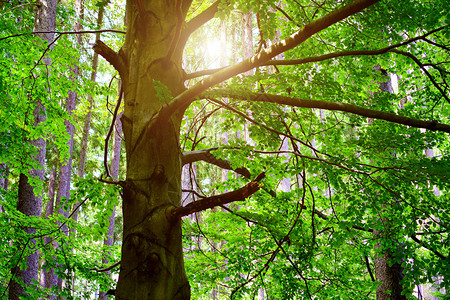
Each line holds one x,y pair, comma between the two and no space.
201,19
207,156
182,101
107,268
327,56
350,108
352,52
213,201
111,56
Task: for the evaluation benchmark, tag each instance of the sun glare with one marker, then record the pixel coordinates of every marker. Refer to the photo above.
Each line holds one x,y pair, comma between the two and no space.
215,53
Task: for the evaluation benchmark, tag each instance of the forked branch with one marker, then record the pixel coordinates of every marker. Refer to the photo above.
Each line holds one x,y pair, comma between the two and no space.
217,200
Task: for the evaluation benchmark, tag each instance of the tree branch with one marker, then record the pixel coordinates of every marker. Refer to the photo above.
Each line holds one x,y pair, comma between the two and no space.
206,156
217,200
200,19
183,100
421,243
115,59
328,105
327,56
352,52
417,61
63,32
107,268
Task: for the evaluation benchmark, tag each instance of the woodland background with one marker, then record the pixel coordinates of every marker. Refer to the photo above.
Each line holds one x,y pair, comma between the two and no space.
345,194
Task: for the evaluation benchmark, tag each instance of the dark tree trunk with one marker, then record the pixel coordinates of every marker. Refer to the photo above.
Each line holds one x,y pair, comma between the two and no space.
152,257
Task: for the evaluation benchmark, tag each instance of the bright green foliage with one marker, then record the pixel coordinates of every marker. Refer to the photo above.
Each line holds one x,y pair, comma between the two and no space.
24,81
349,175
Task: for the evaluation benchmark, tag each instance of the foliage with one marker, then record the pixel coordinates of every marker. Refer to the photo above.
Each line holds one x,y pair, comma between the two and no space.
347,176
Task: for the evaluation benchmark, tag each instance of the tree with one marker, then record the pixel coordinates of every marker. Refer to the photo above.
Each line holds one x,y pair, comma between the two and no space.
150,66
29,196
350,183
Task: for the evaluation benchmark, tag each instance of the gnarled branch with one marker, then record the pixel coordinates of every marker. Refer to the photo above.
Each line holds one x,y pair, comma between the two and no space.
217,200
206,156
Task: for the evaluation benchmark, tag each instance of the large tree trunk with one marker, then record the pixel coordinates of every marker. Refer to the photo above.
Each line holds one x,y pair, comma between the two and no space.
29,202
152,257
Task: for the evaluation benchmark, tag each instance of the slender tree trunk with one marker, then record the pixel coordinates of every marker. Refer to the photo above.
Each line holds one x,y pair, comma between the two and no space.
30,201
65,169
48,277
115,164
4,170
87,118
389,275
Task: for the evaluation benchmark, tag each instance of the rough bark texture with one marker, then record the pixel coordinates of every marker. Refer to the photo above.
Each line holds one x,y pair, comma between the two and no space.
152,257
389,277
29,202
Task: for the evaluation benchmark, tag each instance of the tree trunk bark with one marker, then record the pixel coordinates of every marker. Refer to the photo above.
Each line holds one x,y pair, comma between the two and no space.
152,257
48,277
29,202
388,276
